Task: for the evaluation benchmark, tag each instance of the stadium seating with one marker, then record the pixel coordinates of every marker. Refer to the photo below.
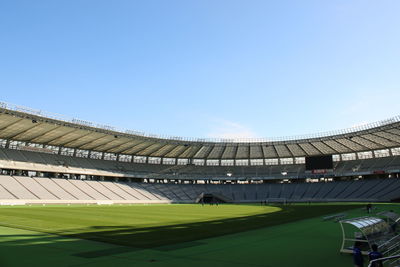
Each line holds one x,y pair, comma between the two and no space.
93,180
10,158
65,190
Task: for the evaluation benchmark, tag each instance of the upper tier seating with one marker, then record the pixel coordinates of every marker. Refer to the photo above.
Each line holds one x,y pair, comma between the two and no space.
27,160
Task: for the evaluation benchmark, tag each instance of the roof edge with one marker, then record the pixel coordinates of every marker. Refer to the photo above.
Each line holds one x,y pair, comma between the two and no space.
294,138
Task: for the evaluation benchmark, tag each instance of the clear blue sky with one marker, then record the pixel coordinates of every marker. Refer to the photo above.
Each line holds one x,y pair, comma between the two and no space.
217,68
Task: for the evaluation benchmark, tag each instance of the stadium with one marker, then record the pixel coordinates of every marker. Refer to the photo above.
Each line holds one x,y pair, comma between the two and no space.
199,133
68,182
363,164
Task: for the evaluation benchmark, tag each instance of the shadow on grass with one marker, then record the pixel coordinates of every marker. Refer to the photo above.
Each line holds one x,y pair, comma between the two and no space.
162,237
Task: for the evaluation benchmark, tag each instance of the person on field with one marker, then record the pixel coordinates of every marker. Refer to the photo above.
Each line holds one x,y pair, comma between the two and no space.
369,208
375,254
358,259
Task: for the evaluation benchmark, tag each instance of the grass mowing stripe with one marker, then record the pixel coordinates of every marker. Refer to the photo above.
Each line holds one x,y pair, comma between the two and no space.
133,216
166,224
144,216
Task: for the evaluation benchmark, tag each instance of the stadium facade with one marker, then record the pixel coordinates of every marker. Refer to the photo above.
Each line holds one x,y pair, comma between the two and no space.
46,157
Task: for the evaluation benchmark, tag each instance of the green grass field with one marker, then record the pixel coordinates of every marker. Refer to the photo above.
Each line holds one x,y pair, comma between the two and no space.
173,235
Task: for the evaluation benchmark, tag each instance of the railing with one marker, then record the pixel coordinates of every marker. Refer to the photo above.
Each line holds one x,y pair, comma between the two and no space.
55,116
383,259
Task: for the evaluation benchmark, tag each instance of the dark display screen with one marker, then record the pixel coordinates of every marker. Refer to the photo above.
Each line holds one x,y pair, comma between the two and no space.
319,162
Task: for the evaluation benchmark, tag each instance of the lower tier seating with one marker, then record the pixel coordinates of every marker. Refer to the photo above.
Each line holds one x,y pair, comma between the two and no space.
59,190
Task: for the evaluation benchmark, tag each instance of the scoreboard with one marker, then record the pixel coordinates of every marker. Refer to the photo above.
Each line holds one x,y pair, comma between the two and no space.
319,163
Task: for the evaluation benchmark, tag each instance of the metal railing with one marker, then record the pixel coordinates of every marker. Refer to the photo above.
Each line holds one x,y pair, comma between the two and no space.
384,259
60,117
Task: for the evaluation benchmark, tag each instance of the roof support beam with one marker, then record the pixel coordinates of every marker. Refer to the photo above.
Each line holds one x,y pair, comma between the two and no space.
70,141
10,125
124,147
20,132
135,147
39,134
95,141
55,138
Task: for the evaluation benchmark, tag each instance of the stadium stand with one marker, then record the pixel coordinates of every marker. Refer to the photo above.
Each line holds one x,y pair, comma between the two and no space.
64,190
47,159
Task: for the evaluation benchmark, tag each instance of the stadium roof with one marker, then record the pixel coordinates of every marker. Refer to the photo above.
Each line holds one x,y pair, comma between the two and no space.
24,124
